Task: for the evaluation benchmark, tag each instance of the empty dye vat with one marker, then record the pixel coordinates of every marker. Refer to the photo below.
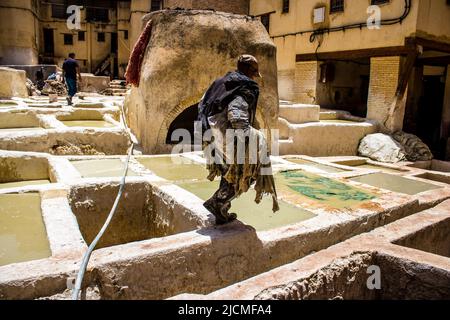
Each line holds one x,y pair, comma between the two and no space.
434,238
300,186
140,215
88,123
101,168
395,183
175,168
259,216
22,231
323,167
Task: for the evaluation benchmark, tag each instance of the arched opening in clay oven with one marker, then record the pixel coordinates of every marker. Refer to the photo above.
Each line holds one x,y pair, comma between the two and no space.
185,120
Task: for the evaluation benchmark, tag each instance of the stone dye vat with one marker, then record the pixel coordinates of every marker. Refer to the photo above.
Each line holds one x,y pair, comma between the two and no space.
364,164
396,183
21,171
298,186
433,165
10,122
337,121
175,74
433,238
174,168
420,270
259,216
101,168
19,184
6,104
322,167
143,214
85,118
22,231
89,132
88,123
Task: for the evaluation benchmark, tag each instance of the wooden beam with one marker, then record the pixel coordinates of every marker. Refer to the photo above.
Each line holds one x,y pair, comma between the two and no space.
355,54
433,61
433,45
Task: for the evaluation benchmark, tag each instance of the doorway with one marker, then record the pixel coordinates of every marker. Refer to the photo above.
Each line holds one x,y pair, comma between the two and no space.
429,115
114,53
49,42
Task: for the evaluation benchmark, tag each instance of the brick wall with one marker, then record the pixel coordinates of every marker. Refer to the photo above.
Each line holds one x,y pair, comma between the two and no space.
306,74
384,75
234,6
286,84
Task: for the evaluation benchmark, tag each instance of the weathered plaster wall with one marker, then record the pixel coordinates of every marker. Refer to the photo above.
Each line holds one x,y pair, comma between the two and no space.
433,20
13,83
300,18
19,32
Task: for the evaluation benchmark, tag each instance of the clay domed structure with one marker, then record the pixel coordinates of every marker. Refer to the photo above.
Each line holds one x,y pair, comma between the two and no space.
187,51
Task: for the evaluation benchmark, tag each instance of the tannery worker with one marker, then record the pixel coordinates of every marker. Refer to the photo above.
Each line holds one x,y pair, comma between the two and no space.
71,70
228,109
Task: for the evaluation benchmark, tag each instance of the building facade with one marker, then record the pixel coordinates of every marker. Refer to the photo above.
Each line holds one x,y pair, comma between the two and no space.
36,31
384,59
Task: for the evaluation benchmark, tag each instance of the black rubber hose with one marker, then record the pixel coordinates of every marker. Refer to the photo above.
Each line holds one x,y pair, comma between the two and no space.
360,25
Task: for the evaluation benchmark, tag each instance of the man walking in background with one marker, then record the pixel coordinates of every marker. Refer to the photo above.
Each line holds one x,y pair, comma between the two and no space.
71,70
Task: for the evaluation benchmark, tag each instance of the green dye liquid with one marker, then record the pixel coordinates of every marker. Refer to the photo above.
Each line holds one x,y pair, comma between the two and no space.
295,186
102,168
396,183
319,166
22,231
259,216
88,123
175,168
23,183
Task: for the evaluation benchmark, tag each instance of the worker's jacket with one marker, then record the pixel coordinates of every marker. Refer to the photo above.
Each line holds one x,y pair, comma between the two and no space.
231,99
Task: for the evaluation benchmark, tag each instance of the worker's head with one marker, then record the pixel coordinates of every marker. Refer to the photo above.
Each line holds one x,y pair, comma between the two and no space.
248,65
72,55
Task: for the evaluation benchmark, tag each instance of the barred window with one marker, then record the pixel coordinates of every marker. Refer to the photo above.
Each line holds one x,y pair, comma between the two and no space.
336,6
374,2
286,4
156,5
68,39
81,35
101,37
59,9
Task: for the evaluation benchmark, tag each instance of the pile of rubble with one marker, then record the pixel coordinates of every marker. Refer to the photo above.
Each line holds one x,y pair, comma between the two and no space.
32,90
66,148
54,87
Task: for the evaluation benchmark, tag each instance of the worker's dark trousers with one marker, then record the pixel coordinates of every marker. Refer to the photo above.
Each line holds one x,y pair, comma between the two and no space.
220,202
224,195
